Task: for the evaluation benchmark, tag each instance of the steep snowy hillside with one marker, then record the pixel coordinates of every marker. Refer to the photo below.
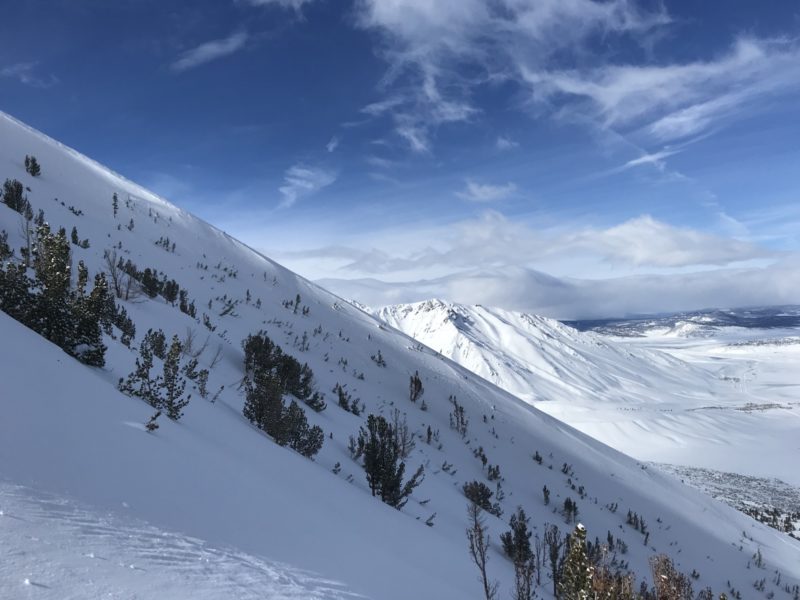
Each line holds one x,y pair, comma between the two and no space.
645,402
93,503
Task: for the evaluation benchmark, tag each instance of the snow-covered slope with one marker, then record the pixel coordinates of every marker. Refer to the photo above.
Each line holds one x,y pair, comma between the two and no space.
645,402
540,359
213,488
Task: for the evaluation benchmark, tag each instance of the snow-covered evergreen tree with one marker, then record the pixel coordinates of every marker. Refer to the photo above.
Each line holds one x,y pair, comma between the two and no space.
173,383
576,575
52,312
89,315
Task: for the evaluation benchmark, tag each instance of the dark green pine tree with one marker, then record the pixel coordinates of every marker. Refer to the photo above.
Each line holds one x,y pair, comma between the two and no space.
115,204
382,463
302,438
5,249
87,342
53,315
157,342
16,298
32,166
139,383
14,195
517,545
170,291
264,401
125,325
479,493
376,442
575,582
150,283
103,304
183,302
517,541
173,383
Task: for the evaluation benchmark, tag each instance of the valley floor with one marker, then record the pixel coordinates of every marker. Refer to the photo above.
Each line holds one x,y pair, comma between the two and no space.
750,425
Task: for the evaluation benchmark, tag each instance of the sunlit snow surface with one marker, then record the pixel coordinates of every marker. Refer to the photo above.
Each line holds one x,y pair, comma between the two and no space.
68,435
700,391
52,548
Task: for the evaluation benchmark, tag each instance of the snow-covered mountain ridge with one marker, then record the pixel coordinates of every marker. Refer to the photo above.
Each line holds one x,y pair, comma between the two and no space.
68,432
662,404
539,359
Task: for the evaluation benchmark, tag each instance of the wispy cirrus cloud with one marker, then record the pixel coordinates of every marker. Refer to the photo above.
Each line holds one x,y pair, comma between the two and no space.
672,101
652,158
503,143
438,52
381,163
486,192
333,144
210,51
301,181
25,73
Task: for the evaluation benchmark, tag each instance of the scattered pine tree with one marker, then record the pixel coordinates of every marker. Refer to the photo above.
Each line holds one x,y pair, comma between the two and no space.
32,166
383,465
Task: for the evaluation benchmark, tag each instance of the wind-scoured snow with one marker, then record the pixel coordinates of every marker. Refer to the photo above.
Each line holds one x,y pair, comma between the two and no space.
57,549
212,485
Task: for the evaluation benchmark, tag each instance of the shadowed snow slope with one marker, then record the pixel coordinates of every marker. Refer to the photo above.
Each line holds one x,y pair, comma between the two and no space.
67,434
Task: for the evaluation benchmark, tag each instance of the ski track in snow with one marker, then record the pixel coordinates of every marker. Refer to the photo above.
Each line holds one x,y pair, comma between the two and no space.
51,547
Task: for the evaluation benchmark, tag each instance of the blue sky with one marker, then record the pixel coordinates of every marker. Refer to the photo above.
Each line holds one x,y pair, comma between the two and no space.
418,140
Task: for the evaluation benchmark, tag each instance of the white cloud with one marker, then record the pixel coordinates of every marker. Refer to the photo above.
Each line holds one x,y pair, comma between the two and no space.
439,53
376,109
535,292
380,162
643,241
416,136
486,192
655,159
673,100
301,181
425,43
505,143
25,74
493,241
209,51
332,144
